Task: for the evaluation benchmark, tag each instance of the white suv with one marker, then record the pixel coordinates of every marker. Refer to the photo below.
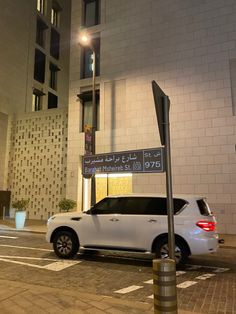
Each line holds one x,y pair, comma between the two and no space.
136,223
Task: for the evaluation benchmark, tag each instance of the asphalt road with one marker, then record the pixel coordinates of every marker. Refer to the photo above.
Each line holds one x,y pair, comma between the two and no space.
206,283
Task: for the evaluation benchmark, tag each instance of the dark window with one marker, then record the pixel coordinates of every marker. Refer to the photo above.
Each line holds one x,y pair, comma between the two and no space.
87,59
136,205
40,32
55,44
39,66
108,206
91,14
203,207
53,76
87,109
52,101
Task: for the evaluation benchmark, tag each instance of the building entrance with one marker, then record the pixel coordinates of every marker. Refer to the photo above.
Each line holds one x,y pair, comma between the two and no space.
112,184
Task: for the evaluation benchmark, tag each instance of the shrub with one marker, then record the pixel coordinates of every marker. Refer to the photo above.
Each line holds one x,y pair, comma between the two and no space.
20,205
66,204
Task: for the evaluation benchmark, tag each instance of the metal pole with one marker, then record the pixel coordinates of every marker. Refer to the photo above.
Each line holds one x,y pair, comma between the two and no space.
94,125
170,205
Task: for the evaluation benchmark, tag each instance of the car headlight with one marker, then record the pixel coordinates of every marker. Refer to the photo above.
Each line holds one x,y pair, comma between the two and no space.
50,219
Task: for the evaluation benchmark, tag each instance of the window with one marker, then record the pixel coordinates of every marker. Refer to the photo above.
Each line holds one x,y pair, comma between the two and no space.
87,109
39,66
87,59
40,32
108,206
53,76
37,100
41,6
52,101
55,44
54,17
91,12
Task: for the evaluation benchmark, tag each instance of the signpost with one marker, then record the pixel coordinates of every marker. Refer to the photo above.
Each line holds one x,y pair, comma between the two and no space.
165,300
162,105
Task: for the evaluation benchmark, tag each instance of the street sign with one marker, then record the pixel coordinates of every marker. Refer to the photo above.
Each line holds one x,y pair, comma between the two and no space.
160,99
135,161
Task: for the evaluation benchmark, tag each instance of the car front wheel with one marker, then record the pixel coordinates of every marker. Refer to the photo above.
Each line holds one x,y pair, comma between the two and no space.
65,244
181,252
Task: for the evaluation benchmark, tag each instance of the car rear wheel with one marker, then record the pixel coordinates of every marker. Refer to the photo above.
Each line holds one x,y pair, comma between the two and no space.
181,252
65,244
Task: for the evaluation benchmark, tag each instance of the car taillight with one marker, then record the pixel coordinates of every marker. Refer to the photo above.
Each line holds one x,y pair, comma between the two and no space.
206,225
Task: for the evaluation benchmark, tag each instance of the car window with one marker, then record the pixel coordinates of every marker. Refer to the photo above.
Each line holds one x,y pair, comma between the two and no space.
107,206
203,207
158,206
135,205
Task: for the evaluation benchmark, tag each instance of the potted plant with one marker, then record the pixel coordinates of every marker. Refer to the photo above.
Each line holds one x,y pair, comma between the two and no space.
20,212
66,204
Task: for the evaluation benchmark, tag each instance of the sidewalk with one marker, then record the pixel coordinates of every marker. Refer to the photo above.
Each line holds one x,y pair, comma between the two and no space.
23,298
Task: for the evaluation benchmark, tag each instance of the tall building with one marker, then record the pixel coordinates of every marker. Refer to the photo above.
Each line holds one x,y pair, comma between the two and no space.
189,48
34,84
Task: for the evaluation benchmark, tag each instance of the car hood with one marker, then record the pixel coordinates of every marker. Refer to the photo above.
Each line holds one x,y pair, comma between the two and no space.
69,215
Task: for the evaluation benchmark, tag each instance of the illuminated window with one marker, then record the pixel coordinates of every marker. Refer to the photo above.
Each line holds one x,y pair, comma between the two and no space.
41,6
37,100
87,59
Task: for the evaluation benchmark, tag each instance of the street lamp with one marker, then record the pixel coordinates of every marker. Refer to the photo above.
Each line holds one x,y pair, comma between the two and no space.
86,41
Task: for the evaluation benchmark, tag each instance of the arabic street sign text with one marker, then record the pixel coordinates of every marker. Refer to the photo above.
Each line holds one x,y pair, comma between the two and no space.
145,160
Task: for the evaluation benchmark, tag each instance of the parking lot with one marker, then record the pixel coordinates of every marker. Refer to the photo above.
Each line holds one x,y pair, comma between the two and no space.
205,285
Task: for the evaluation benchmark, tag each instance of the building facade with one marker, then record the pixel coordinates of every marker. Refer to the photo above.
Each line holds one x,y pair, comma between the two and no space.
34,84
189,49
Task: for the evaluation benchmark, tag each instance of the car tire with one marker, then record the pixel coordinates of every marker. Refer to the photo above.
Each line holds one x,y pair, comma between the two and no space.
181,251
65,244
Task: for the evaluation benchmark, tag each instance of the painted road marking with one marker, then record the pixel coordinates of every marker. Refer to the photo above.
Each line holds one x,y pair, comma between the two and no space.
220,270
8,237
26,248
180,272
214,268
205,276
186,284
149,281
54,266
128,289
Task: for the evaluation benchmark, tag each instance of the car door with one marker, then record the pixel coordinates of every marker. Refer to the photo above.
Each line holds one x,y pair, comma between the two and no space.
101,226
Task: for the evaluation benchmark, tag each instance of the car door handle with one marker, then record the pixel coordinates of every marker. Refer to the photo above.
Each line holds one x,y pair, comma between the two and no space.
114,219
152,220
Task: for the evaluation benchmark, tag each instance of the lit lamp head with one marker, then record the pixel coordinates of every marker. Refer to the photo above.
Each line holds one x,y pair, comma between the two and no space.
85,40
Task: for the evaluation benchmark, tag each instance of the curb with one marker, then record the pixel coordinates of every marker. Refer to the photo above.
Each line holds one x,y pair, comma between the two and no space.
21,230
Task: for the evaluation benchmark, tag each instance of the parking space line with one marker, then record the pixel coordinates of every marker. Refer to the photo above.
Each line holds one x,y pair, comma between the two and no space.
180,272
205,276
8,237
149,281
186,284
128,289
26,248
55,266
220,270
